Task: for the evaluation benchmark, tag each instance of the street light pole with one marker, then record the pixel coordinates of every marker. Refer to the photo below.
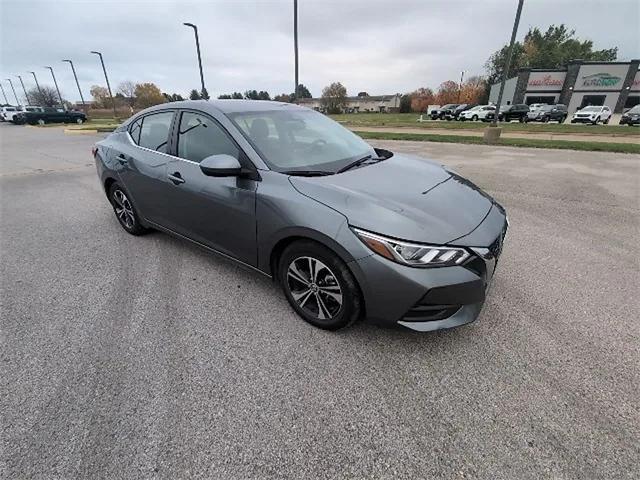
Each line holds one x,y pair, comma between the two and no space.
24,90
37,84
4,95
195,31
113,102
56,84
84,106
14,91
460,87
295,47
494,123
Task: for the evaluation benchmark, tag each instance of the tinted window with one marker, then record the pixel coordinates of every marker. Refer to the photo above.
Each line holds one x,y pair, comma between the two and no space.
154,133
134,130
200,137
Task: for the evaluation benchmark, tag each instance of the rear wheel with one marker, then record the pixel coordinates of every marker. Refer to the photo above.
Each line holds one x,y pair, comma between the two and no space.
41,121
319,286
606,122
79,121
125,212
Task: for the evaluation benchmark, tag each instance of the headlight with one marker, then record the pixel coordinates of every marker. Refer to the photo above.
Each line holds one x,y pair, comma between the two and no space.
412,254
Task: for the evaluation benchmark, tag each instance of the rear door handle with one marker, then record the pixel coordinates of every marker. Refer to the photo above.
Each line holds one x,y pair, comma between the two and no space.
176,178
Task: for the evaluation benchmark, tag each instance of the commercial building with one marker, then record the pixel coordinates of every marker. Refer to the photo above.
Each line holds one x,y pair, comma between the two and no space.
360,104
614,84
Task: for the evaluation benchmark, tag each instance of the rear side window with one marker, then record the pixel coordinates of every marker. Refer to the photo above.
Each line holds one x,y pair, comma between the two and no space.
200,137
154,133
134,130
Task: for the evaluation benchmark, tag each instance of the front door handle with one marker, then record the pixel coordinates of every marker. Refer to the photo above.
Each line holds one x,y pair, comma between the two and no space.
122,159
176,178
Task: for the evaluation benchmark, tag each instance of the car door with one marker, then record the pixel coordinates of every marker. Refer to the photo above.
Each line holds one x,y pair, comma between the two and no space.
141,161
218,212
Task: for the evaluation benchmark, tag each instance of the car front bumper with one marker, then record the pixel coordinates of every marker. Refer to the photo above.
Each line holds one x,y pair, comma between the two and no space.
426,299
630,121
582,120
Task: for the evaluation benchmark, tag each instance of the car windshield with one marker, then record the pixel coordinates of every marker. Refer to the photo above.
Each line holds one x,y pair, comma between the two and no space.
635,109
591,109
294,140
545,108
477,107
449,105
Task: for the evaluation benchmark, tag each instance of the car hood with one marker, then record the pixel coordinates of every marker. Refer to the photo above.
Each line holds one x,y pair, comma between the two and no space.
405,197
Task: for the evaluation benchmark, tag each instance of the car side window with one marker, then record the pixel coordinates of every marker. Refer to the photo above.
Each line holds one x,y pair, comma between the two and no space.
134,130
200,137
154,133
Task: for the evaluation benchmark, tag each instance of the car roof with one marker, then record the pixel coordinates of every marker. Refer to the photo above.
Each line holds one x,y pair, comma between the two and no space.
226,106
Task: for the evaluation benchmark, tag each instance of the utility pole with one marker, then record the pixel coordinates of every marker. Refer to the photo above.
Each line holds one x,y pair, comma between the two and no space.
195,31
494,123
84,105
56,84
14,91
113,102
37,84
295,47
4,95
24,90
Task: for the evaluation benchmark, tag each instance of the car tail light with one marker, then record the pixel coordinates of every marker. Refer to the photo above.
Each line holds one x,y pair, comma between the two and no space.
94,151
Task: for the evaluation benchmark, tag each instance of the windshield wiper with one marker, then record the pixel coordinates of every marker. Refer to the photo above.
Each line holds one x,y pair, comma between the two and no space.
307,173
359,162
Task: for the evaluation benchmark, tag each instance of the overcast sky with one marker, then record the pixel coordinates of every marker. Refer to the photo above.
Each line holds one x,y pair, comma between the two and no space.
378,46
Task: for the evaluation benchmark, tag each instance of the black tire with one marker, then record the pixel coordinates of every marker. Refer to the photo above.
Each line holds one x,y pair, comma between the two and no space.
521,119
318,298
125,211
595,122
41,121
474,118
606,122
545,119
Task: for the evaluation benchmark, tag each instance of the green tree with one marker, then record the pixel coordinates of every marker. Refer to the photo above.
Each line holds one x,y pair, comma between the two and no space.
334,98
262,95
251,95
553,48
194,95
284,97
303,92
147,95
405,103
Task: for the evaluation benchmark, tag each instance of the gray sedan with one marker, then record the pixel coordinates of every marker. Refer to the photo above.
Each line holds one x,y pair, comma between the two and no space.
347,230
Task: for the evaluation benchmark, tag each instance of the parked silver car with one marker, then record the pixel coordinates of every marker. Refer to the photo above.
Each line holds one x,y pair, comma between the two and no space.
348,230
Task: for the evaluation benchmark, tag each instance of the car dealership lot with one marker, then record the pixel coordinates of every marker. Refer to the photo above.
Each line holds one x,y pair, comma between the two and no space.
148,357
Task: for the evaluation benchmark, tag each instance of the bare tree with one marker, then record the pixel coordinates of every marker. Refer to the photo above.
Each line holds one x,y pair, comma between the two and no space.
46,96
128,91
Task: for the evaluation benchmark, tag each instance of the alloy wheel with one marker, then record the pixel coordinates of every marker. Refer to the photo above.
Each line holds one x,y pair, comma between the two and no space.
123,209
314,287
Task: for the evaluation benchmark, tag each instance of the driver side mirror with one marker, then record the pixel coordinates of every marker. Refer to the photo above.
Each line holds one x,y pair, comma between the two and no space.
221,166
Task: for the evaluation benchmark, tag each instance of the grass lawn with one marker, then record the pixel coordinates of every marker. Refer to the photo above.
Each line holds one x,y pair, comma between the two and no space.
410,120
511,142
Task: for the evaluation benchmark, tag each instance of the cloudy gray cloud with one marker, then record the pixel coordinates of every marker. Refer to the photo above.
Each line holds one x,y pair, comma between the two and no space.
380,46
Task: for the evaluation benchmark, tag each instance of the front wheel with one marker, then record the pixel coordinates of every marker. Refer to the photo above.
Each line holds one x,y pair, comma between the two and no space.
595,122
606,122
319,286
474,118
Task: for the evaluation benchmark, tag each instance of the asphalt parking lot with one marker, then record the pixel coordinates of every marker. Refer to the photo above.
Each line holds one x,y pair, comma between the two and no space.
125,357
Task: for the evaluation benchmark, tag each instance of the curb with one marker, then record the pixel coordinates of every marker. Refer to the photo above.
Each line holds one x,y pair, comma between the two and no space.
70,131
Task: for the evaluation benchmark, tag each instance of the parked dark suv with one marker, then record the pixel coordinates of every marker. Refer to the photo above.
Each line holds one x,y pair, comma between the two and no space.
455,113
514,112
442,111
546,113
631,117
